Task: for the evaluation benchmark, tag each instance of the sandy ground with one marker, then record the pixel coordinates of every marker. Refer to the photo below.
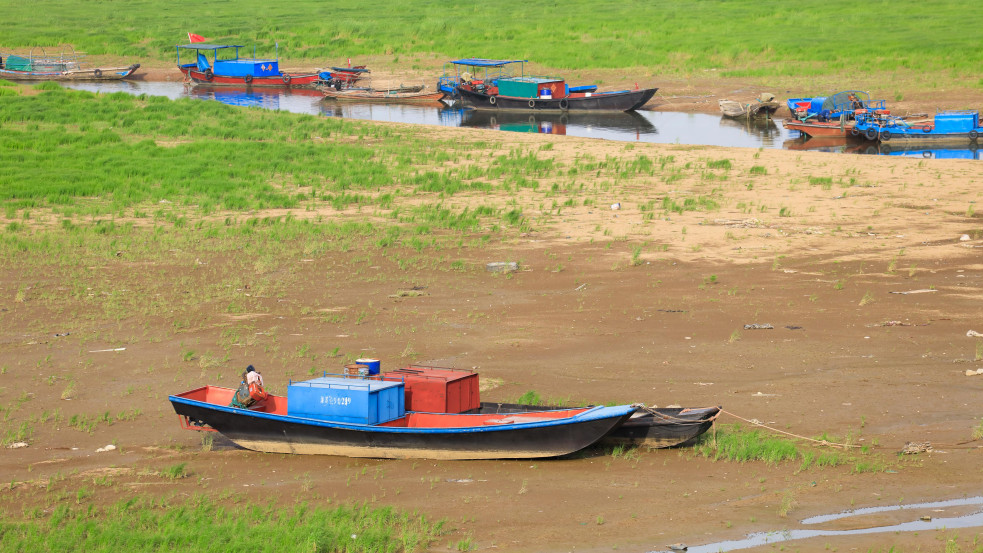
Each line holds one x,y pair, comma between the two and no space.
871,285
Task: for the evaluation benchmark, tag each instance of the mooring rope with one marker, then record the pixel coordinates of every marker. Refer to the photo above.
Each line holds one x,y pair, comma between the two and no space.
773,429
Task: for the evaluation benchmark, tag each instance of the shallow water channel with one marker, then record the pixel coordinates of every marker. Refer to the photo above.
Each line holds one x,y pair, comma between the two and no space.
664,127
952,514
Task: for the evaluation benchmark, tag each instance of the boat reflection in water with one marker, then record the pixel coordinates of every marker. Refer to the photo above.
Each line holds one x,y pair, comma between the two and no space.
574,123
765,129
829,144
929,153
251,97
854,145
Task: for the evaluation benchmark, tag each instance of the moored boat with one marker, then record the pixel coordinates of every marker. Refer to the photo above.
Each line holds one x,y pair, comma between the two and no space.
827,108
66,66
650,427
342,77
238,71
403,95
840,128
366,417
498,89
764,106
947,127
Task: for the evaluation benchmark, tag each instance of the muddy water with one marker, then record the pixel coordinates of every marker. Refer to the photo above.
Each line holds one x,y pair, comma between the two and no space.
926,516
665,127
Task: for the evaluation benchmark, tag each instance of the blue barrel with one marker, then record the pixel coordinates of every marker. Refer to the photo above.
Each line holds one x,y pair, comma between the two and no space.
373,364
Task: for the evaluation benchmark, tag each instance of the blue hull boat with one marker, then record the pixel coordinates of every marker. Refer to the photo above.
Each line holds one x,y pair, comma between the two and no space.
948,127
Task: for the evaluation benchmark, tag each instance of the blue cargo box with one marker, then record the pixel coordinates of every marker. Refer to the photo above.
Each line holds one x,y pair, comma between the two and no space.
350,400
956,121
243,67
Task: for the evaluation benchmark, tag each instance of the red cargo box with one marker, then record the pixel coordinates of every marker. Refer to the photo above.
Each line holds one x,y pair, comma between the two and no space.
438,390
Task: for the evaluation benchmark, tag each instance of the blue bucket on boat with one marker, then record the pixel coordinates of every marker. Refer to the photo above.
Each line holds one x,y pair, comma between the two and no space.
373,364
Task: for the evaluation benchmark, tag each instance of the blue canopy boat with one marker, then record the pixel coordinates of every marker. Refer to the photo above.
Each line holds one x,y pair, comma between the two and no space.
503,85
366,417
237,71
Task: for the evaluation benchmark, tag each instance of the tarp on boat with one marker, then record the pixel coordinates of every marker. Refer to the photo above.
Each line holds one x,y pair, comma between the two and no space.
481,62
17,63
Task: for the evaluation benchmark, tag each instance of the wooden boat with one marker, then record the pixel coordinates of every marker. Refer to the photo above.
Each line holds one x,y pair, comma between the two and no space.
764,107
66,66
947,127
498,89
648,427
407,95
237,71
840,128
319,421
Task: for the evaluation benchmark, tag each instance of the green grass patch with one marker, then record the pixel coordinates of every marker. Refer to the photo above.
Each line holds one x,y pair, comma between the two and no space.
201,525
736,443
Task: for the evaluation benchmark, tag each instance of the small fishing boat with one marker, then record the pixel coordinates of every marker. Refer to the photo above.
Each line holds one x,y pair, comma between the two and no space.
494,85
401,95
66,66
841,128
763,108
366,417
234,70
342,77
827,108
948,127
649,427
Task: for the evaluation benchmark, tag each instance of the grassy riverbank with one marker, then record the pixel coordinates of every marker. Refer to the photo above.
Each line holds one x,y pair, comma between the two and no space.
742,38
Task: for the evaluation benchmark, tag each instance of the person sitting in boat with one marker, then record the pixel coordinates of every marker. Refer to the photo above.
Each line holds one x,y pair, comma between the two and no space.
466,77
855,103
244,396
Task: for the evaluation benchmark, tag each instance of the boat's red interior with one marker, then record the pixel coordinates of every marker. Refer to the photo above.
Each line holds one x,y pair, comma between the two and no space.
217,395
447,420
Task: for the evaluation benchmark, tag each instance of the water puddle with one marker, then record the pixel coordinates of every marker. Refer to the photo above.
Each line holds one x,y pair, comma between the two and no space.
664,127
933,517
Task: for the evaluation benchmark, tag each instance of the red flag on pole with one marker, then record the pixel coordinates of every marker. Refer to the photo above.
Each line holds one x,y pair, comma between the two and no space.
193,38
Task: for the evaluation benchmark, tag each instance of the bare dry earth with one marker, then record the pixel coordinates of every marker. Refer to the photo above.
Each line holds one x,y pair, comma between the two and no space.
850,354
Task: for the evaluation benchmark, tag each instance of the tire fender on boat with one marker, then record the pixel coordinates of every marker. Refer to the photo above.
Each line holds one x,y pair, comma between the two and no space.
885,136
973,135
209,75
854,131
532,103
926,129
97,73
564,104
871,134
286,79
492,100
248,79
